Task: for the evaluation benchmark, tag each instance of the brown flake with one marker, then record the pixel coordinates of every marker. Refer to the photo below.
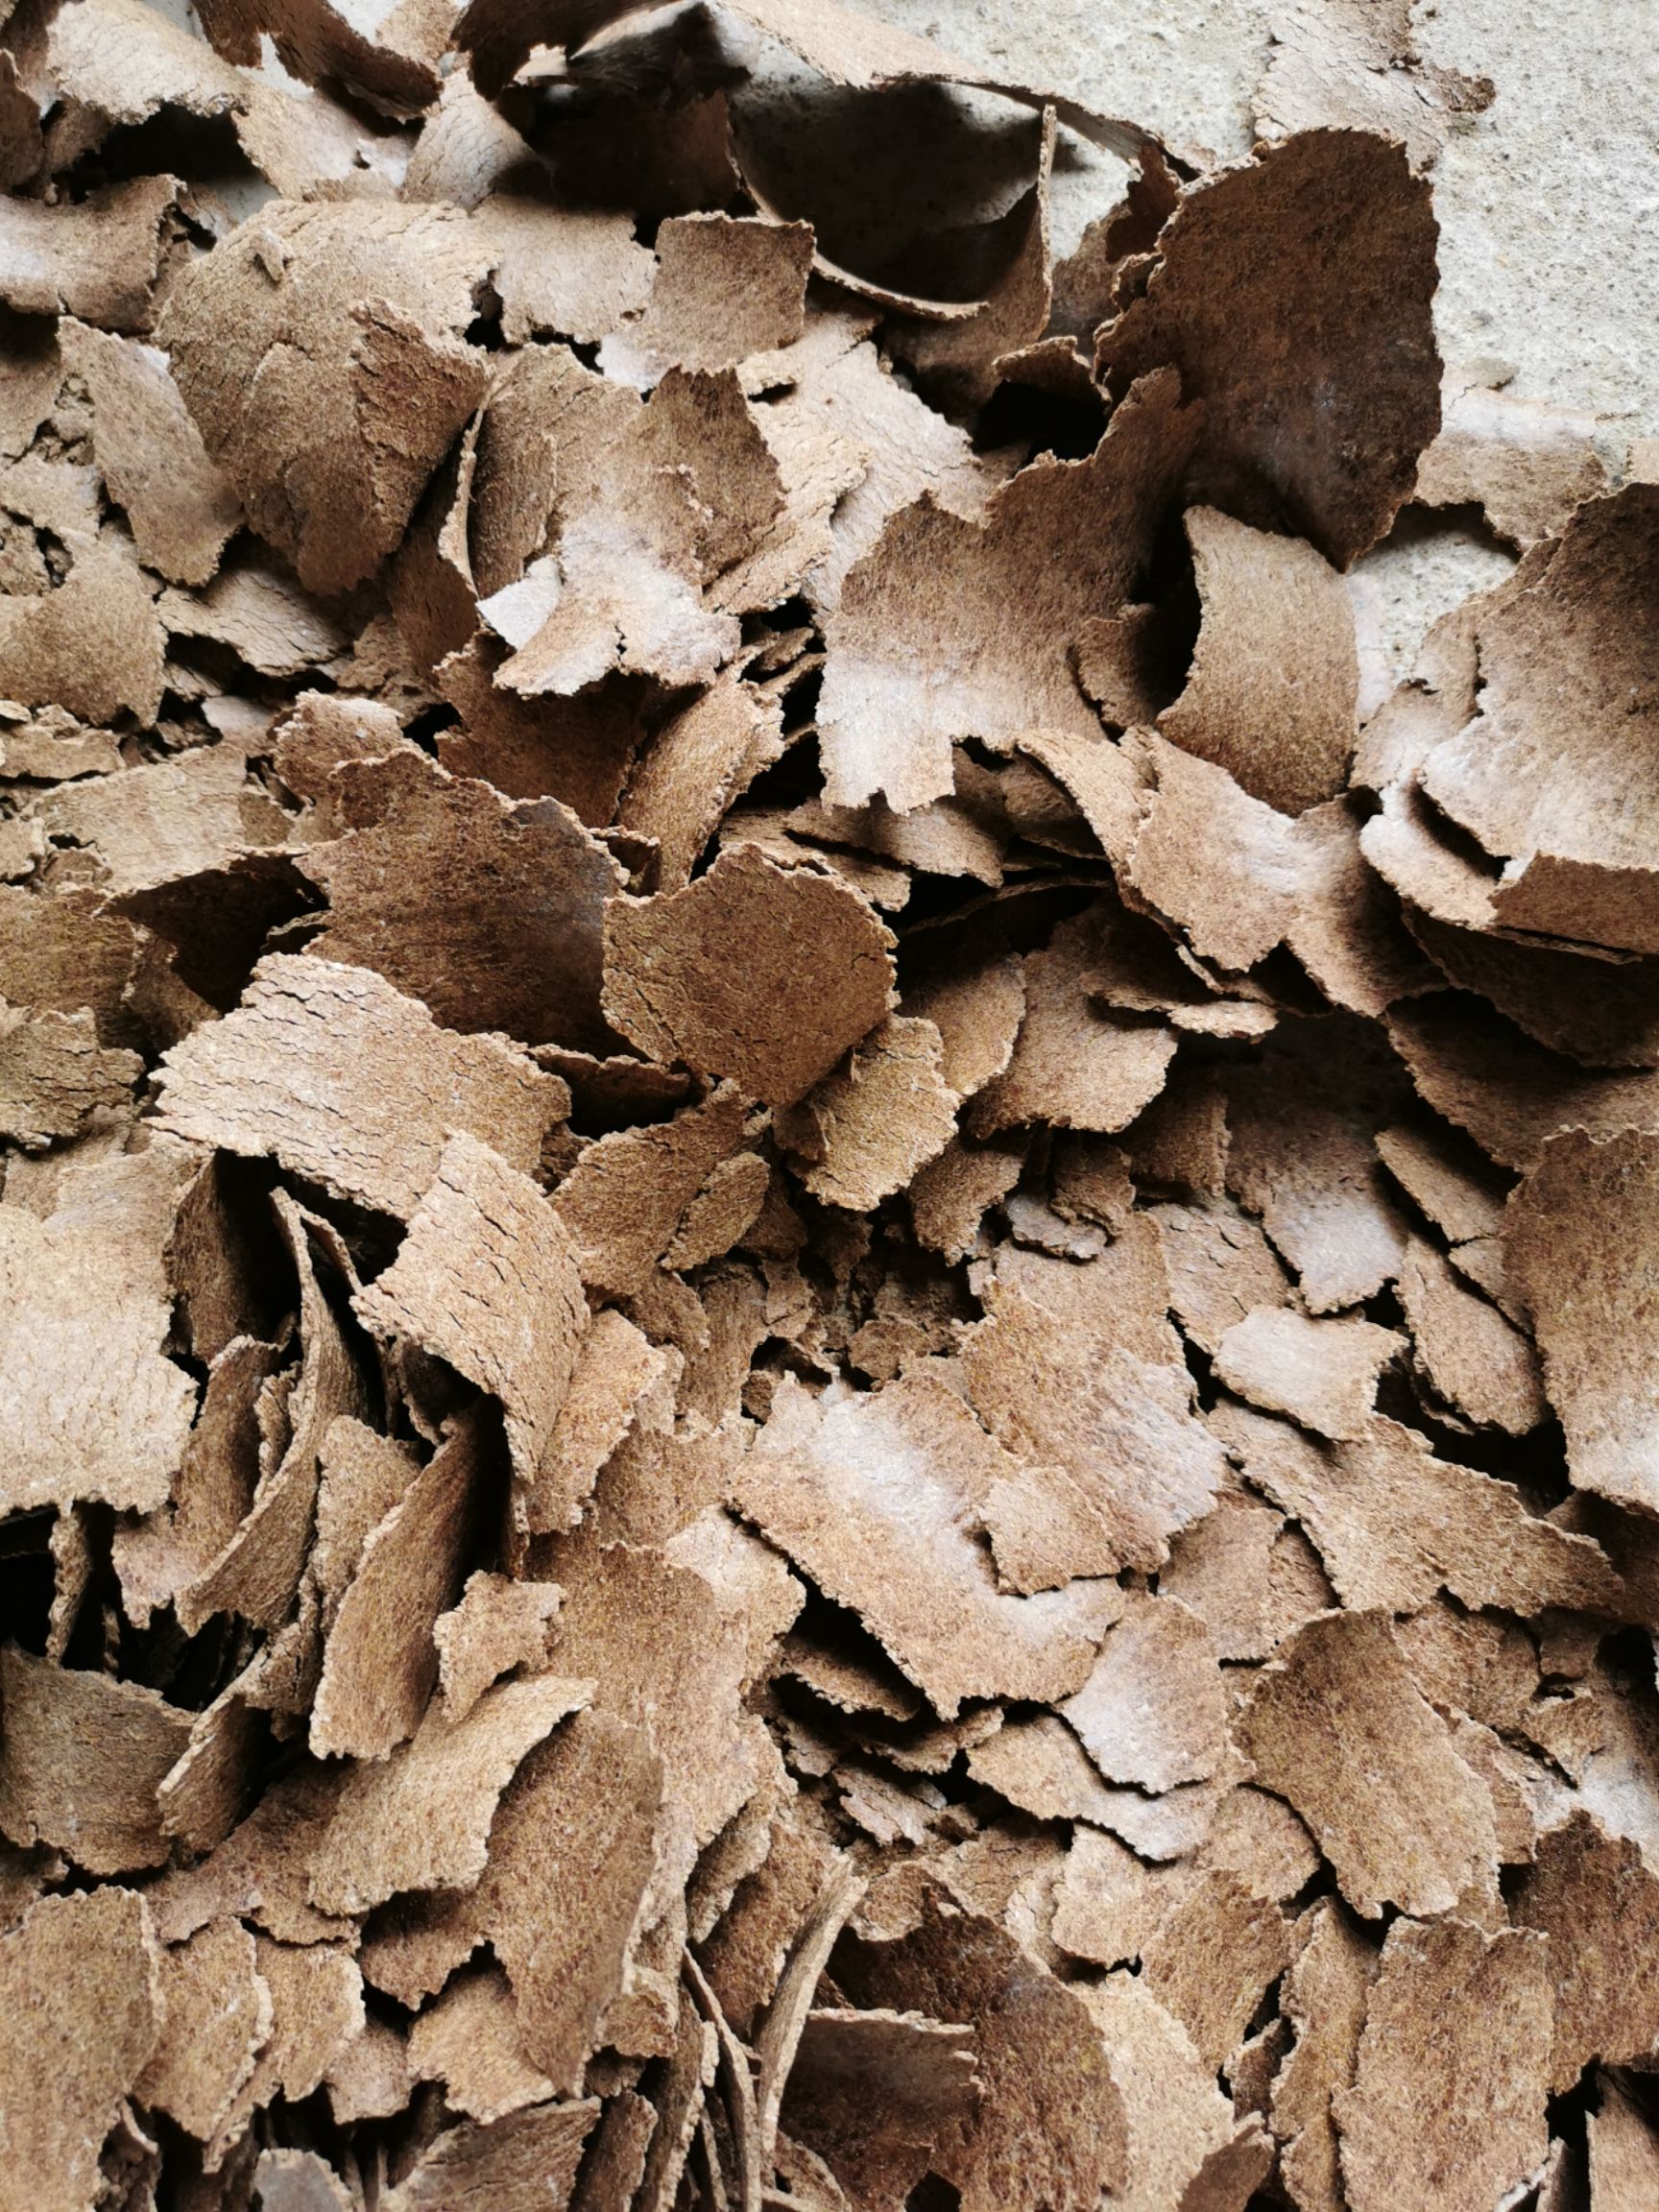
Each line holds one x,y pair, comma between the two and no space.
521,2163
82,1761
316,1997
1220,1568
1335,1724
1393,1521
94,643
572,1851
1180,2126
487,1279
490,913
1272,692
216,2014
873,2091
1623,2152
1110,1459
151,456
81,2016
670,990
1061,540
468,2040
1595,1898
625,1197
1324,1996
1311,1171
1075,1064
617,1369
1049,2127
498,1624
1474,1359
1528,463
1577,1249
876,1498
1221,1268
317,1052
1152,1712
97,258
1471,2011
56,1077
1568,818
865,1131
693,768
1329,233
317,349
421,1818
1210,1958
1511,1094
574,272
1323,1374
1237,901
576,750
725,288
380,1661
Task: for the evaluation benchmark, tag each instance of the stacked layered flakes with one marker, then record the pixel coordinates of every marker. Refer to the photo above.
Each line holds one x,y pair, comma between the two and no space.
829,1358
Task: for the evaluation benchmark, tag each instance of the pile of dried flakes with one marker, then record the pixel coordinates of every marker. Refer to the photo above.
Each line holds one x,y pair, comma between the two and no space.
830,1360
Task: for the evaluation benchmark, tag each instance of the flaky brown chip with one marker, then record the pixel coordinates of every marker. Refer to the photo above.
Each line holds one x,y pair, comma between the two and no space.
437,874
724,287
316,1050
1595,1898
380,1661
1185,2146
1511,1094
1036,2047
486,1278
865,1131
1322,1373
871,2092
574,272
1325,1995
82,1761
80,2016
1335,1724
98,258
1473,1358
151,456
669,988
910,670
1471,2011
468,2040
876,1498
1565,807
500,1623
627,1194
94,644
216,2013
524,2162
1528,463
1152,1710
572,1850
1577,1242
1272,692
1328,232
616,1367
56,1077
421,1818
1393,1521
319,350
1075,1063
